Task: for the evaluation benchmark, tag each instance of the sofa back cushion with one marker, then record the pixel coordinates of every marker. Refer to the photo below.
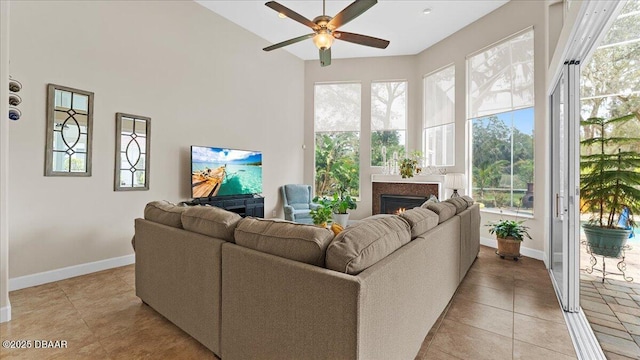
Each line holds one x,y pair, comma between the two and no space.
210,220
300,242
164,212
468,199
460,204
420,220
361,245
444,210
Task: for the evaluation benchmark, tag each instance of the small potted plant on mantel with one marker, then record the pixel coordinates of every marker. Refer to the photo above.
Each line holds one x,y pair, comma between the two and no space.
510,234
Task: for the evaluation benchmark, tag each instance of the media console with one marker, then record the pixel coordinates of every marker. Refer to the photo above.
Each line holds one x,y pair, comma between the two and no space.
243,205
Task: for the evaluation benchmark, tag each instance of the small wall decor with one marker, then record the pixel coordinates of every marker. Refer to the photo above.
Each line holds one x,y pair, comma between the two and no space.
69,131
14,99
132,152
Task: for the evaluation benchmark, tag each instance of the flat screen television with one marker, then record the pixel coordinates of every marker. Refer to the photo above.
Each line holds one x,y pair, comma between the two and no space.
220,172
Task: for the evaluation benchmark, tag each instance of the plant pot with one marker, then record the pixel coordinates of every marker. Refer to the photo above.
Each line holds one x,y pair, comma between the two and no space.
606,242
508,248
342,219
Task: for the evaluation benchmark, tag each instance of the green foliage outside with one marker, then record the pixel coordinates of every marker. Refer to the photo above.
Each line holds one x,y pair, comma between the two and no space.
337,163
499,150
610,122
390,139
610,177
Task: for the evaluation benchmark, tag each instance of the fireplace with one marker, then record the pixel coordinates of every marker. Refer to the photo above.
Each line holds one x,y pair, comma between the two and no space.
392,204
415,193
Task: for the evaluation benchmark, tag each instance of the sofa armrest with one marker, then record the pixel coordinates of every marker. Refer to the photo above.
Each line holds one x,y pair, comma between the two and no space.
178,275
275,308
313,206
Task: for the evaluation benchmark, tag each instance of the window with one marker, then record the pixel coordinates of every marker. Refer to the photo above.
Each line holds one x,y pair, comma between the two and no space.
501,117
337,137
439,117
388,119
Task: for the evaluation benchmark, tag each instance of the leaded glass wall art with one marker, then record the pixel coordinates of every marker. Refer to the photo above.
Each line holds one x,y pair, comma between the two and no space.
132,152
69,131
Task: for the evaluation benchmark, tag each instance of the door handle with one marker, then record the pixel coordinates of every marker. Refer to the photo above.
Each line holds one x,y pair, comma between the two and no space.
557,205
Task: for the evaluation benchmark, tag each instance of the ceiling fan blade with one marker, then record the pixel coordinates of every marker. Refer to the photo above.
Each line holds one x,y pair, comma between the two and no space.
361,39
325,57
289,42
291,14
351,12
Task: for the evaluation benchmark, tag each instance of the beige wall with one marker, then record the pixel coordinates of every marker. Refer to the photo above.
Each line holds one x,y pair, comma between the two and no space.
5,306
501,23
202,80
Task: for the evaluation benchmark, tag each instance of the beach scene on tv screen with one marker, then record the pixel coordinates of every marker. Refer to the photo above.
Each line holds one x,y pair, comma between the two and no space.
219,172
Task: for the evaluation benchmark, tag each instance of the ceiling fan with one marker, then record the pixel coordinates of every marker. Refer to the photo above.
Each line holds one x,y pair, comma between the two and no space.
325,28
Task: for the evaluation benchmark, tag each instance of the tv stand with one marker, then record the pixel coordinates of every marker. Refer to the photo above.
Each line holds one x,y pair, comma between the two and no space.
243,205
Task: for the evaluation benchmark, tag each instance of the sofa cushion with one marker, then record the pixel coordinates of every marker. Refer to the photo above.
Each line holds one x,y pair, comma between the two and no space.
444,210
300,242
459,203
210,220
164,212
420,220
468,199
363,244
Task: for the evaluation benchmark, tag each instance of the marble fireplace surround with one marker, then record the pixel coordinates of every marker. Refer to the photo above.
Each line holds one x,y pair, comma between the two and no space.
425,185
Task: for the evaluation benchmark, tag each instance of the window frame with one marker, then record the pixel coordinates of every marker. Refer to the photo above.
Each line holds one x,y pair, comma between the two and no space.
359,131
406,118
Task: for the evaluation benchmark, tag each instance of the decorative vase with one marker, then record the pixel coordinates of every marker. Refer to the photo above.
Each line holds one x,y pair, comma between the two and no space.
606,242
508,247
342,219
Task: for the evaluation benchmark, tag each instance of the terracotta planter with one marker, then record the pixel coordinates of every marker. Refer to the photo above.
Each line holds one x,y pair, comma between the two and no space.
508,248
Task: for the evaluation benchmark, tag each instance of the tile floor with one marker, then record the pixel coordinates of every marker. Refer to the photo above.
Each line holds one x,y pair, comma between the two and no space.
502,310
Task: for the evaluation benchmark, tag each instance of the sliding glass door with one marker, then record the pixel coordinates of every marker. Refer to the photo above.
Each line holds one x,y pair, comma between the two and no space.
565,120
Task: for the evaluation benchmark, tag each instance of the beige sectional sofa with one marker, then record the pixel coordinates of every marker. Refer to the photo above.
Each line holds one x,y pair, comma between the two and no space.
264,289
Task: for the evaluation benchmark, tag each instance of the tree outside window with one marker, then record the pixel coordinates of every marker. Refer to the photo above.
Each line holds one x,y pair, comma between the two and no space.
388,119
501,117
337,116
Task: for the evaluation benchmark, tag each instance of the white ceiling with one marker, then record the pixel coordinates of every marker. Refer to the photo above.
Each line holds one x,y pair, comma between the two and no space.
402,22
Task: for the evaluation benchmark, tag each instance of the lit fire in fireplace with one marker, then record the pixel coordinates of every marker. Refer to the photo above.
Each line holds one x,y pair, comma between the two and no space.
400,211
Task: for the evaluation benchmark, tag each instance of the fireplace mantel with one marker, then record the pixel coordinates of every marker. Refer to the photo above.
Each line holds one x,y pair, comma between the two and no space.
422,179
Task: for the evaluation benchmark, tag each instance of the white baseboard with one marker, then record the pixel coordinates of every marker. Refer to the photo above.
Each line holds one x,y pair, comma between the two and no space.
5,313
69,272
532,253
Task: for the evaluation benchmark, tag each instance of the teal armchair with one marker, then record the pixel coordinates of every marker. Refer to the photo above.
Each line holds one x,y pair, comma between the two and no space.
297,201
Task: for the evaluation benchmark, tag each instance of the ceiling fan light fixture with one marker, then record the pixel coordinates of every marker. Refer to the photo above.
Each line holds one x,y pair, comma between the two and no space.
323,39
282,15
426,11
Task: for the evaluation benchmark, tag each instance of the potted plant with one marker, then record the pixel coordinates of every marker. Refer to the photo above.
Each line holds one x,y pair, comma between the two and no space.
610,186
322,213
510,234
340,203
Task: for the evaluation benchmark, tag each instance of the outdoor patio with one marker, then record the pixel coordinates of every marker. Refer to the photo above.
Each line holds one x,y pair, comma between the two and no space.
613,306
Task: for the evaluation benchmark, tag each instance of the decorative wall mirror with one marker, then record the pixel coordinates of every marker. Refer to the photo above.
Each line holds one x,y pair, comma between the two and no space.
69,131
132,152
